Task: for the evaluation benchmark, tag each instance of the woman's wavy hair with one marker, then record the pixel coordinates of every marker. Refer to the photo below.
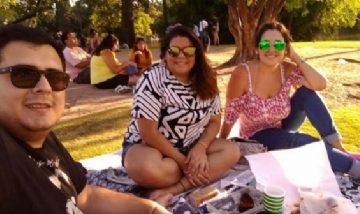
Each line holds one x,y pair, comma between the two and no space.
202,76
135,48
274,25
107,43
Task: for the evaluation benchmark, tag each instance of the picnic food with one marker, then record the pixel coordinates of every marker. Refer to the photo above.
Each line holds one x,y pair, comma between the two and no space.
246,203
297,205
205,194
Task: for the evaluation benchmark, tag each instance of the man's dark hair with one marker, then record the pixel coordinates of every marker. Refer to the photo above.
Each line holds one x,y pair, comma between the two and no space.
17,32
65,36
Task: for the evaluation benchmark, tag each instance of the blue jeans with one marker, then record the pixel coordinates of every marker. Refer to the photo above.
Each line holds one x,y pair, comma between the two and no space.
306,103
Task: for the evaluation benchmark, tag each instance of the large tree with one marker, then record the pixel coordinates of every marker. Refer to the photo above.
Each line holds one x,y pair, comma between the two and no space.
127,22
244,18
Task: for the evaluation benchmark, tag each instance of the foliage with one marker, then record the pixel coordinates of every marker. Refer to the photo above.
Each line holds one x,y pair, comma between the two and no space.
106,16
142,22
307,19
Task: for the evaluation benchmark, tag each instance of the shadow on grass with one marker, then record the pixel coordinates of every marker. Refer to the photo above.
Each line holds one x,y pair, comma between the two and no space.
93,124
354,96
348,60
229,65
105,142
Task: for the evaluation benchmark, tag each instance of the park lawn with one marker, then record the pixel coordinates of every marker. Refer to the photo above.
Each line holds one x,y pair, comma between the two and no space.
103,132
327,44
94,134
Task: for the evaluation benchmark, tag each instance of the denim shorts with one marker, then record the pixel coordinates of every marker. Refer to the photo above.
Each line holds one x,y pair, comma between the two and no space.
127,145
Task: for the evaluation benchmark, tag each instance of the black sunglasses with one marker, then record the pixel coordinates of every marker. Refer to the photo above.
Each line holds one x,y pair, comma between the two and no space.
26,76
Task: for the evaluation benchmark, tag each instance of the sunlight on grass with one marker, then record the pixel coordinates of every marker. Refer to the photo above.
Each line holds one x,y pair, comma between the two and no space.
103,132
94,134
327,44
346,120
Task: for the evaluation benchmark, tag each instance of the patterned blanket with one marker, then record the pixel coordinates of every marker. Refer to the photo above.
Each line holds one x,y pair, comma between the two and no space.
117,180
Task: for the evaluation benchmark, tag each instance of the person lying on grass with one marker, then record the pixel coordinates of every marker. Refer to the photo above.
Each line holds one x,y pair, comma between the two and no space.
170,144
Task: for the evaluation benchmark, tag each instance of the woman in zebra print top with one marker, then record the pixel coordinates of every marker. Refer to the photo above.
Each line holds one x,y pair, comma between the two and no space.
170,144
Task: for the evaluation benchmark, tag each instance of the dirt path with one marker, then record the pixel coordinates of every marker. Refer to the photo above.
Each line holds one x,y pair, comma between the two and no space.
343,87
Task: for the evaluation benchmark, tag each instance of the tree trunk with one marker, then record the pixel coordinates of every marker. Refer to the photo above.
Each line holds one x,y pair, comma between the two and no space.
63,15
165,13
147,6
127,22
243,22
234,25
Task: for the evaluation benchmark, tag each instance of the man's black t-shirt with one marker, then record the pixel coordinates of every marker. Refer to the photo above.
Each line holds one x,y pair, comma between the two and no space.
45,180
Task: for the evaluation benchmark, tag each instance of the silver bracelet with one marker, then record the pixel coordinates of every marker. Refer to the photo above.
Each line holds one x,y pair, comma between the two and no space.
303,60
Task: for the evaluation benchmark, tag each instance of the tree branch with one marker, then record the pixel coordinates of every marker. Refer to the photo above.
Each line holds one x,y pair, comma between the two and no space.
277,9
260,8
30,15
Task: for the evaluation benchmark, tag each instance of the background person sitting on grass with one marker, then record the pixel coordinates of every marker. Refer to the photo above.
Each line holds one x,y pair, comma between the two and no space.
107,72
141,55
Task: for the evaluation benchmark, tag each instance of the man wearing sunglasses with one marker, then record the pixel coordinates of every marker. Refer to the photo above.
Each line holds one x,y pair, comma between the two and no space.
77,60
37,174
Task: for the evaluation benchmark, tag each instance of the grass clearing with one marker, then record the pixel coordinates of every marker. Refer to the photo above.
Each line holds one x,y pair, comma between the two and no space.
94,134
327,44
103,132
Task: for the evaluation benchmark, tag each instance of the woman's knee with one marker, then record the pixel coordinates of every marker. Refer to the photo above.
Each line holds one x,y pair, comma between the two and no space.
305,92
150,169
230,150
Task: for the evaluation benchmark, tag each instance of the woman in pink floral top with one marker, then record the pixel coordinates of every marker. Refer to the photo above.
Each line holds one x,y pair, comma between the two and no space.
258,95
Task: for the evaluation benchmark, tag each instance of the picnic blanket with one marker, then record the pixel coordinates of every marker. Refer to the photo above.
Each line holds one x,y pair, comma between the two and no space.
107,171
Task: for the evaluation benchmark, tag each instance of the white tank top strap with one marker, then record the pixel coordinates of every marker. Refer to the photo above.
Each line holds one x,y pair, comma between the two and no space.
249,76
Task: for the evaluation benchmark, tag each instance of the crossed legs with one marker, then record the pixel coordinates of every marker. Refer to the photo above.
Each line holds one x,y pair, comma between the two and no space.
147,167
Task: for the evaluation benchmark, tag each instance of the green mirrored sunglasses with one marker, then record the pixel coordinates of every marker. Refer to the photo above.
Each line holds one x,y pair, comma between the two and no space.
279,45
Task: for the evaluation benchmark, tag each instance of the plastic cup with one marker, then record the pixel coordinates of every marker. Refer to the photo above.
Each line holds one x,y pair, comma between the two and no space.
273,199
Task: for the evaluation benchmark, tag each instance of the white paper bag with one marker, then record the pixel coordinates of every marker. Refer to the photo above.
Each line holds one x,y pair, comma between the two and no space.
306,166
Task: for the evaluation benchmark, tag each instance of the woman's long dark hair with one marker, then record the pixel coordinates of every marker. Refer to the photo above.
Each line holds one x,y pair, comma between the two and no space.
202,76
107,43
135,48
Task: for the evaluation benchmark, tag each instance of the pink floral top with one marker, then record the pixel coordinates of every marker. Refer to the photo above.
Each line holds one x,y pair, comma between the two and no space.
257,113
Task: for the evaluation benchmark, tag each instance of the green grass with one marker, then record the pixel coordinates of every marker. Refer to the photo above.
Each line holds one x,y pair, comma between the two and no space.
94,134
347,122
103,132
327,44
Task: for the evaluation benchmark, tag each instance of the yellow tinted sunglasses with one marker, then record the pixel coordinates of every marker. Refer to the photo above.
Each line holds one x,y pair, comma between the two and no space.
175,51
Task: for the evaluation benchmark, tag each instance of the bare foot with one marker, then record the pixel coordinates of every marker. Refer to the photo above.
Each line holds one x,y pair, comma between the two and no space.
159,193
164,200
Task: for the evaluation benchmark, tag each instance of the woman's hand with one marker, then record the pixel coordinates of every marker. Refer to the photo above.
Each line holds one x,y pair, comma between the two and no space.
291,54
198,166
